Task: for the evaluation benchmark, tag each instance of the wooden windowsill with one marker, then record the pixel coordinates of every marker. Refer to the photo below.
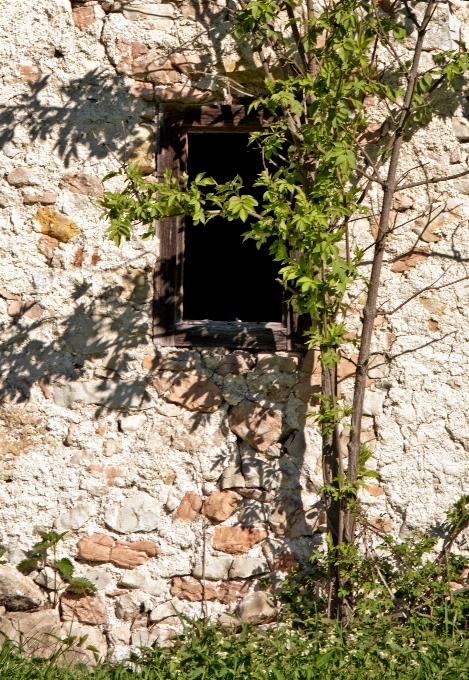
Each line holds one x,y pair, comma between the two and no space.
231,334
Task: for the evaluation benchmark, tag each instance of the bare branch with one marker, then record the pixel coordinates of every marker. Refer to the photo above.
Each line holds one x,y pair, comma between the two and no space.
430,287
433,180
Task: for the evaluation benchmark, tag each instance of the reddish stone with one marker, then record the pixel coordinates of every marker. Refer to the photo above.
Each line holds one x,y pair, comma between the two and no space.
31,72
236,363
231,591
95,548
79,257
124,556
384,524
33,311
89,609
286,560
189,588
375,490
221,504
185,93
347,367
15,308
259,427
151,67
83,17
95,258
237,540
47,198
418,255
143,90
196,394
84,183
189,506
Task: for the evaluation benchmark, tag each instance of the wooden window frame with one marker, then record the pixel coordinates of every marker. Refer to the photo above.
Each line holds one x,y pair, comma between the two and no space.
169,328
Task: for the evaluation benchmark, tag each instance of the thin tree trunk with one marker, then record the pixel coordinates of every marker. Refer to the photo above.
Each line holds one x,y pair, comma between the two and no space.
332,467
369,311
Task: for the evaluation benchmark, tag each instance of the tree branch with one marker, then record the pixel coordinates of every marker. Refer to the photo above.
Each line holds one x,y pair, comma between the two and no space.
434,180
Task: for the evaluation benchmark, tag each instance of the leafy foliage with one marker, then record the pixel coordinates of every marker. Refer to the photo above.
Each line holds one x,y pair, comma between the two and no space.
316,141
39,558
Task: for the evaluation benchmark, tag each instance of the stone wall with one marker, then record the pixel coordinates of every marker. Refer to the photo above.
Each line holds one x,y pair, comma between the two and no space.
183,475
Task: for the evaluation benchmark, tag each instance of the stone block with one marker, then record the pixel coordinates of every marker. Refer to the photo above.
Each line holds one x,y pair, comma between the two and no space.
402,203
418,255
375,490
232,478
254,513
31,72
36,633
232,591
113,394
82,654
285,561
153,12
257,426
143,90
257,608
132,423
374,401
189,588
95,548
143,149
99,577
270,362
236,362
141,580
47,198
144,637
56,225
137,513
165,610
221,505
384,524
127,606
84,184
49,578
90,609
257,473
126,557
288,517
73,519
83,17
246,567
46,245
189,506
196,394
22,177
216,568
18,592
237,540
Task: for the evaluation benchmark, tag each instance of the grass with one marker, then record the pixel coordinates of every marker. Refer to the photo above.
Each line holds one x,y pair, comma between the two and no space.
397,652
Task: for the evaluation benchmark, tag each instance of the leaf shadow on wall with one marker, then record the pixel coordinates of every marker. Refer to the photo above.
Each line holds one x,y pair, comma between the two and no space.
93,112
53,348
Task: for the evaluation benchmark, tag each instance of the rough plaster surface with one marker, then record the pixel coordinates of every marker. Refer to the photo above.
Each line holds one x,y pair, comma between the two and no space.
89,442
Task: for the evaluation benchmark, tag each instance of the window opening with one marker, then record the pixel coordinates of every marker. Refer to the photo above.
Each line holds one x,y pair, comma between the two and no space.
224,277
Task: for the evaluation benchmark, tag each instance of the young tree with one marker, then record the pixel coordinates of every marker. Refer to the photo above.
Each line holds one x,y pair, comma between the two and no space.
322,67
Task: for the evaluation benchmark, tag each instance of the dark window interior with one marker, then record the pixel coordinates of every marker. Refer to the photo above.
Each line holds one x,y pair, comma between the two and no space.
225,278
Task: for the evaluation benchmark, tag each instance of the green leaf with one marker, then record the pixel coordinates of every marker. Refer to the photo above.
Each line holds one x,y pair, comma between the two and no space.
66,568
28,565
